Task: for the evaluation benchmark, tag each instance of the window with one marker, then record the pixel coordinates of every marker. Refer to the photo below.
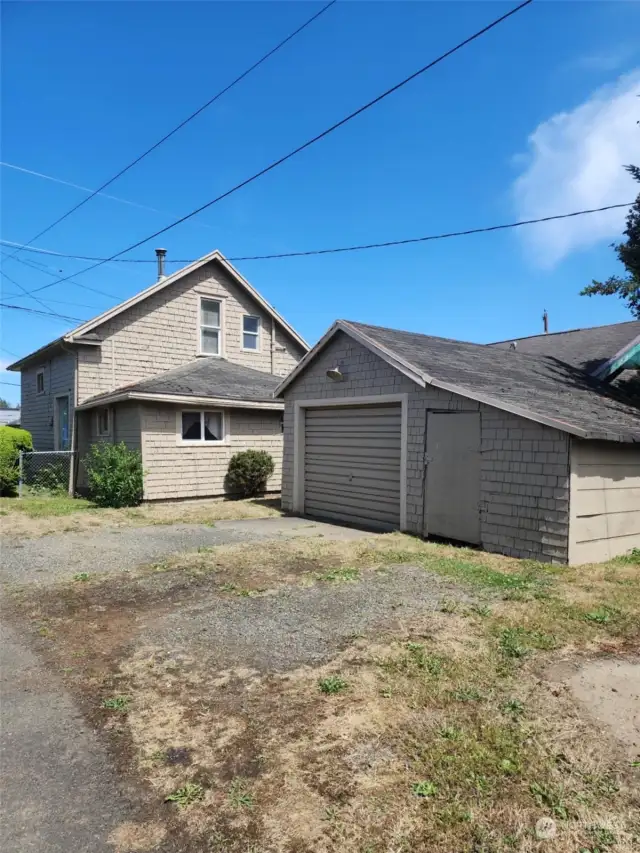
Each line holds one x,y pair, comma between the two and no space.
103,416
250,332
210,326
40,382
201,427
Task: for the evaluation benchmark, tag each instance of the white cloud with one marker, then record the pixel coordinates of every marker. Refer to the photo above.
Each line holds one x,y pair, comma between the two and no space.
575,162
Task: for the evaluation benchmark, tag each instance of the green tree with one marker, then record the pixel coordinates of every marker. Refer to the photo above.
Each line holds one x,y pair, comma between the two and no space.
627,288
4,404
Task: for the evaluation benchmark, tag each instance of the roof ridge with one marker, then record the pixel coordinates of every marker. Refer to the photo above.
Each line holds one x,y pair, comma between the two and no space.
564,332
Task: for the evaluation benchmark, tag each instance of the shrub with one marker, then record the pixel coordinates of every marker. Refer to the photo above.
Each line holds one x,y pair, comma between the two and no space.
248,473
12,441
53,477
114,474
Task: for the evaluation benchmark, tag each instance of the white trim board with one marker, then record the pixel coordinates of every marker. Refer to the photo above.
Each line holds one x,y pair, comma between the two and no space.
181,400
298,441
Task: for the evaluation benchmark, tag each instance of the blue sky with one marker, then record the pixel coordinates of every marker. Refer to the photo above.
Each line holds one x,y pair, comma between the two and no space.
534,118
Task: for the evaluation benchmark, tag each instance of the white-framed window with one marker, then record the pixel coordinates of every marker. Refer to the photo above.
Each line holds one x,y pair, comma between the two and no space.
201,427
40,381
250,332
210,326
103,422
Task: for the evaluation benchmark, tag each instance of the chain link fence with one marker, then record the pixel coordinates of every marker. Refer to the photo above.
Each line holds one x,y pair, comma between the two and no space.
47,471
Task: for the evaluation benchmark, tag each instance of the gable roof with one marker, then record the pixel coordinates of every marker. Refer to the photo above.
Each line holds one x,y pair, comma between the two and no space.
589,349
544,389
81,334
203,379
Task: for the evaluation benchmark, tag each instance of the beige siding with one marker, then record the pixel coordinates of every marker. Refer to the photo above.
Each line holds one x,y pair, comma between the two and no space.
162,332
524,496
605,500
174,470
37,410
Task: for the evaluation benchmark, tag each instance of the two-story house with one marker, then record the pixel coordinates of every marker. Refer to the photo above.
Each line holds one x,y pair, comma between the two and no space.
183,371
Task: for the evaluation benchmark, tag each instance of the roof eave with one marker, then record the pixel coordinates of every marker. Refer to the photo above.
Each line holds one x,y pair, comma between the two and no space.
179,399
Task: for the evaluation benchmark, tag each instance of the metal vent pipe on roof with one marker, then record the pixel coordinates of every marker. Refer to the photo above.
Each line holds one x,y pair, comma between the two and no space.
161,254
545,321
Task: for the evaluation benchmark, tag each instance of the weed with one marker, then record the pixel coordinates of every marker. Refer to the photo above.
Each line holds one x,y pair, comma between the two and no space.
238,590
514,707
206,549
466,694
448,605
602,836
511,644
424,789
345,574
450,732
332,684
158,755
602,615
480,610
239,795
117,703
548,797
187,795
81,576
433,664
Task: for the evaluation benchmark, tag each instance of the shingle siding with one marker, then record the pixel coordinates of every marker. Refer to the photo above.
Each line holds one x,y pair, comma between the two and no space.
125,426
162,332
175,470
37,410
525,466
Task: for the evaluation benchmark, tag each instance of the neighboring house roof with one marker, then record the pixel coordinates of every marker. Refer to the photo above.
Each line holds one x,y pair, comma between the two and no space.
541,388
80,335
208,380
9,417
588,349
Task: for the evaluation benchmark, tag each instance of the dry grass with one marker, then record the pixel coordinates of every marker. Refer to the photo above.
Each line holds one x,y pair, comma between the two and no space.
39,516
444,737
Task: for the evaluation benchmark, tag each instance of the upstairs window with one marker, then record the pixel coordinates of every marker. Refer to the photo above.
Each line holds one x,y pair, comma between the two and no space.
40,382
210,326
202,427
250,332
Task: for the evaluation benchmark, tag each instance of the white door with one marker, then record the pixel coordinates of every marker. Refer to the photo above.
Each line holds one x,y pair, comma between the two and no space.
352,464
452,501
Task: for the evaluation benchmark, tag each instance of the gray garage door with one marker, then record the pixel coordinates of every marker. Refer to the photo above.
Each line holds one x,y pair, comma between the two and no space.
352,464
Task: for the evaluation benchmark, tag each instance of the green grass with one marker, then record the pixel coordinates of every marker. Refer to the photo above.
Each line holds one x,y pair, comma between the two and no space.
41,506
239,795
186,795
346,574
117,703
332,684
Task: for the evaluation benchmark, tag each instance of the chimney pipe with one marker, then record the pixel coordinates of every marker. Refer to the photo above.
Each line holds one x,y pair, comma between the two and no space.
545,322
160,254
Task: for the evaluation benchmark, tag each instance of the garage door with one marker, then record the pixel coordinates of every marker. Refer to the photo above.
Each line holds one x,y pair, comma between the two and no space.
352,464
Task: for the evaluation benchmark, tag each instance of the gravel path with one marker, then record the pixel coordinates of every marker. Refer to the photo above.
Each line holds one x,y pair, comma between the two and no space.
57,557
293,626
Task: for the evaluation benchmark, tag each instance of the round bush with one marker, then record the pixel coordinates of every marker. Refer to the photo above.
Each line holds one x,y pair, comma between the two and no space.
114,474
12,441
248,473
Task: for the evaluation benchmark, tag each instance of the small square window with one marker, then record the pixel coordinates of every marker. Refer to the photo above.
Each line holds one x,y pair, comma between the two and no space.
40,382
250,332
104,422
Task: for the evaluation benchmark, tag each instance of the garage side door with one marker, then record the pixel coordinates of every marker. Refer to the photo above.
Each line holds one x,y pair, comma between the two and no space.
352,464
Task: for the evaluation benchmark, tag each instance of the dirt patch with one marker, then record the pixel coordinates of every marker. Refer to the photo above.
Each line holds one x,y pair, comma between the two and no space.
609,689
137,837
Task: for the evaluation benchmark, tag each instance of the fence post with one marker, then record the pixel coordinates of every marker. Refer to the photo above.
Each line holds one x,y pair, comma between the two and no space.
21,470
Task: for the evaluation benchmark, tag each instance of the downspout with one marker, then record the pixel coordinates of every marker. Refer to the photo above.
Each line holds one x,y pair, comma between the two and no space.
273,345
73,466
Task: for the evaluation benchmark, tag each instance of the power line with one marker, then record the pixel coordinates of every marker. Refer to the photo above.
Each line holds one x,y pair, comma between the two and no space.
188,119
43,313
27,293
2,382
305,145
363,246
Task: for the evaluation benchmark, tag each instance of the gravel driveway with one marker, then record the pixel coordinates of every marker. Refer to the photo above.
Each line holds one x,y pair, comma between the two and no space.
59,556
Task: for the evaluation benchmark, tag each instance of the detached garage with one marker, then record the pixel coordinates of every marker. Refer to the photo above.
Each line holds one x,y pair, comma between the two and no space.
521,454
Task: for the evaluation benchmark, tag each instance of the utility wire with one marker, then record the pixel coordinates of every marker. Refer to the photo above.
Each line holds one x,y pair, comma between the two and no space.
28,293
356,248
44,313
17,384
186,121
305,145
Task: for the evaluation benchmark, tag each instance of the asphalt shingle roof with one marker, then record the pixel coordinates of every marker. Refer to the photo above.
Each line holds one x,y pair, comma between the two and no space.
207,377
584,348
542,385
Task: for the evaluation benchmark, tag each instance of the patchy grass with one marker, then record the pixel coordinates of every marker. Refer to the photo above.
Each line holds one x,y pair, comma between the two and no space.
445,736
40,515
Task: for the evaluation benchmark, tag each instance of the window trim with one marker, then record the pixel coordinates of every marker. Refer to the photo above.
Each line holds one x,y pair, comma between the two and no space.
220,354
40,372
257,335
202,442
106,409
